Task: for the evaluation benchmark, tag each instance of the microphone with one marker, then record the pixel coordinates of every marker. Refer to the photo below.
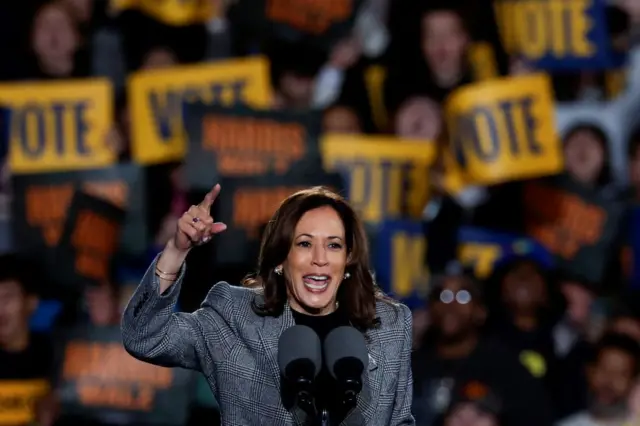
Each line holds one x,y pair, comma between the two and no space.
300,361
346,356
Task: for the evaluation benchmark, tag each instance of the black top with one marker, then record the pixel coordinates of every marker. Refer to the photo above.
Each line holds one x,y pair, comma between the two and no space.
35,362
322,325
436,380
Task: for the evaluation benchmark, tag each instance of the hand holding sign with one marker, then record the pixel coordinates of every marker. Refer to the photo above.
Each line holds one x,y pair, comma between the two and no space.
196,226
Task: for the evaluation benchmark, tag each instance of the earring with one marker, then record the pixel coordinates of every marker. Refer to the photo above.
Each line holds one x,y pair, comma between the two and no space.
347,275
278,270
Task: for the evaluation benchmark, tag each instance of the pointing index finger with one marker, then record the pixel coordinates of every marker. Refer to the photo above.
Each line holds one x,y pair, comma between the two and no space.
210,198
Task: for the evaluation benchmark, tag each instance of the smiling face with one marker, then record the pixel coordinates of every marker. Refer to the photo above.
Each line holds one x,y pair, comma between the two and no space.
315,265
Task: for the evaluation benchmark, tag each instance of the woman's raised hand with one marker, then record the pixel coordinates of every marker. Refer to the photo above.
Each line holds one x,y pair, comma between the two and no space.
196,226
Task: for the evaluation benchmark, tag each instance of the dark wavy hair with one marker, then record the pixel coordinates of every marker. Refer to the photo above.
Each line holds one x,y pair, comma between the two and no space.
358,294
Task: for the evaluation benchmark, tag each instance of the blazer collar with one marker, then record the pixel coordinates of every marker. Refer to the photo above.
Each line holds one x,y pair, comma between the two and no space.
364,412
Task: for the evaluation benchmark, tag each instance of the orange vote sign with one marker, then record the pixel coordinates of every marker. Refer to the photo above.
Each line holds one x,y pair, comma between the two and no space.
107,376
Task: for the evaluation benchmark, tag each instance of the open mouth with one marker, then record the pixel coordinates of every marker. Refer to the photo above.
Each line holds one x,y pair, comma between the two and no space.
316,283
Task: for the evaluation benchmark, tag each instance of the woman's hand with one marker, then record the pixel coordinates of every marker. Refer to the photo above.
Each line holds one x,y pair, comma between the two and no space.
196,226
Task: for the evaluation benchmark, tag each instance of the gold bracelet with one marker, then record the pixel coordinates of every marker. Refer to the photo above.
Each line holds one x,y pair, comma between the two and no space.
166,276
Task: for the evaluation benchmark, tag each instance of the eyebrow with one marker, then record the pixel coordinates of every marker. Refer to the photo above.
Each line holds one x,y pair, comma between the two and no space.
331,237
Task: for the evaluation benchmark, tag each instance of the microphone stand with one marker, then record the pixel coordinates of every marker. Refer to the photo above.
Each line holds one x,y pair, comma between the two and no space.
324,418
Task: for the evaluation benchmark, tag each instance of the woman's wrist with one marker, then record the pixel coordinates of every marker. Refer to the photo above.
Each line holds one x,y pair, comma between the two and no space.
171,259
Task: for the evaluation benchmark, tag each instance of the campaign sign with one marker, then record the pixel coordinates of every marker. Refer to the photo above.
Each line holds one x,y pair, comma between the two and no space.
483,250
503,130
400,261
41,204
156,99
558,34
100,381
18,399
247,204
89,241
388,178
578,225
243,142
58,126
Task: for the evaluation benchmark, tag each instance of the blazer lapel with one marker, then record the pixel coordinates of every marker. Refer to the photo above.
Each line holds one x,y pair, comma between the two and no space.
365,410
270,333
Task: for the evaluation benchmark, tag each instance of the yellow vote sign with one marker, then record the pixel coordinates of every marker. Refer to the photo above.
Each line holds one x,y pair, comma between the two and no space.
537,28
171,12
58,126
387,177
480,257
18,400
503,130
156,101
410,273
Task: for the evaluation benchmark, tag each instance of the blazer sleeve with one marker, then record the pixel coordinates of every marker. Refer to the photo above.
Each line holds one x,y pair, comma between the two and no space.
404,393
154,333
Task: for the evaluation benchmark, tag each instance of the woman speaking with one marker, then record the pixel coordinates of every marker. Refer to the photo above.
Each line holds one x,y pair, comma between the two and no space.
313,270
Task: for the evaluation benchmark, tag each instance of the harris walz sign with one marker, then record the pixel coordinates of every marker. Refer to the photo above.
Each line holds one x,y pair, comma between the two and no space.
100,381
42,201
228,142
89,241
577,225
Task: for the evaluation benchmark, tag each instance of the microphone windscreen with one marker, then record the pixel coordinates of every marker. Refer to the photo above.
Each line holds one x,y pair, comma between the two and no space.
299,353
345,352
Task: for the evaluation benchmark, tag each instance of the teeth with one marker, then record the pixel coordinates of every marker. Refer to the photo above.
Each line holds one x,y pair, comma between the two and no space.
322,281
318,277
316,287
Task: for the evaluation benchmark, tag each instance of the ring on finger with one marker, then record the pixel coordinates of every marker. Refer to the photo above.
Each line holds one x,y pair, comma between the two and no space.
195,220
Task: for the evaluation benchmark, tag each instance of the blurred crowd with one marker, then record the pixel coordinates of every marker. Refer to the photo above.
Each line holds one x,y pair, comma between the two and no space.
525,296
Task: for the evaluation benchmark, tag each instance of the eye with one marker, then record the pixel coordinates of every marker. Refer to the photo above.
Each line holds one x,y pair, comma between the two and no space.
304,244
336,246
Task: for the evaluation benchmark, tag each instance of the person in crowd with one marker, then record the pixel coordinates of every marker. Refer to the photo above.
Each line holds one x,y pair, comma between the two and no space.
618,116
440,63
159,57
419,118
102,303
611,375
475,404
294,68
586,155
445,40
572,337
524,309
454,351
56,44
579,295
625,315
625,319
341,119
24,356
313,270
97,305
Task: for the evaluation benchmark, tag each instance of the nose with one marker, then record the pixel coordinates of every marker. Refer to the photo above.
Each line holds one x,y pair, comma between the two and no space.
319,256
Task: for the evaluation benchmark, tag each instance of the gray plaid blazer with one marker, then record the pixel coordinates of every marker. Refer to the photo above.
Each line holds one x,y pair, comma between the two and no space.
236,350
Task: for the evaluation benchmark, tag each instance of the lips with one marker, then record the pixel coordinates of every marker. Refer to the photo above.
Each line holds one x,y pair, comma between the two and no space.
316,283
